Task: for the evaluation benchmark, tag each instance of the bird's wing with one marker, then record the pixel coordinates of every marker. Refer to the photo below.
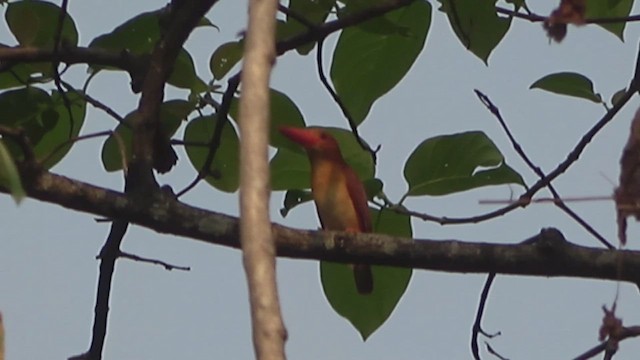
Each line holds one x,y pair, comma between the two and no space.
358,198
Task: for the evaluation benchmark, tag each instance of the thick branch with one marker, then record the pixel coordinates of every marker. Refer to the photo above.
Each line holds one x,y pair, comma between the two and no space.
149,147
258,249
546,254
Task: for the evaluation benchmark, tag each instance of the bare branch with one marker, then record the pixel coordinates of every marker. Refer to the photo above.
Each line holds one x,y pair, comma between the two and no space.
627,332
546,254
539,18
476,329
341,105
164,264
258,248
108,256
536,169
571,158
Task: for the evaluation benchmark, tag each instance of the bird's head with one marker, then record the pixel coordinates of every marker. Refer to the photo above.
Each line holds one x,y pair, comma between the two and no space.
314,141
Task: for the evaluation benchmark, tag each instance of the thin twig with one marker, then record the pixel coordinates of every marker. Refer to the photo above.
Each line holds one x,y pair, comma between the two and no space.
627,332
221,118
523,201
97,104
571,158
539,18
164,264
536,169
343,107
74,140
56,62
491,351
476,329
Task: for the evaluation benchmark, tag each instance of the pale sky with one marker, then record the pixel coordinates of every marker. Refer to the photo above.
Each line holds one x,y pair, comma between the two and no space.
48,269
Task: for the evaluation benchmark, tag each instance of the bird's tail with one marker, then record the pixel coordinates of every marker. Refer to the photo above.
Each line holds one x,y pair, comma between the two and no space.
364,278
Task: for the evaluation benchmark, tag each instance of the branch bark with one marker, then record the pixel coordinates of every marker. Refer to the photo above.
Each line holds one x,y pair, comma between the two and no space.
150,149
71,55
545,254
259,253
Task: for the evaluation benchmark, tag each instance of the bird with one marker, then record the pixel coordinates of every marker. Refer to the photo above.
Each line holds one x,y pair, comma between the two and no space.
338,193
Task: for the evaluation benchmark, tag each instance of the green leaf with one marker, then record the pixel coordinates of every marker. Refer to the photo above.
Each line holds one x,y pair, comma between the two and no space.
368,312
359,159
10,179
610,9
284,112
172,113
294,198
283,30
314,11
139,36
568,83
22,105
224,170
57,141
225,58
378,25
184,74
45,119
366,65
373,187
204,22
290,170
452,163
617,96
33,23
25,73
476,24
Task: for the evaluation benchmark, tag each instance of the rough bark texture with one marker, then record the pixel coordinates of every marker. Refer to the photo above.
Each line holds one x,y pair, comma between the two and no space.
545,254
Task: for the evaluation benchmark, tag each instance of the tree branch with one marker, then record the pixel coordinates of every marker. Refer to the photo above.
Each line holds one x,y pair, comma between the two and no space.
150,149
537,170
546,254
258,249
108,256
563,166
70,55
324,30
539,18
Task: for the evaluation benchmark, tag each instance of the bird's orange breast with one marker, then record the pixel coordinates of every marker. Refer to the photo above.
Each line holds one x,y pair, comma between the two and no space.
331,195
